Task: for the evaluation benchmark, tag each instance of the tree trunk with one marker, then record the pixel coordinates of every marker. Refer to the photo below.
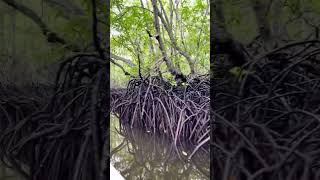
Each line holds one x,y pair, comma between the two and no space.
260,8
2,39
222,42
175,72
164,20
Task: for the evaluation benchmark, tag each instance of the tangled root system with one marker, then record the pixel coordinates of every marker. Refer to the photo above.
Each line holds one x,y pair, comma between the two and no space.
267,122
180,112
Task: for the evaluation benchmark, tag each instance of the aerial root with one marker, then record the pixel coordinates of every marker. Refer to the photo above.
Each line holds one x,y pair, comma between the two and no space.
266,123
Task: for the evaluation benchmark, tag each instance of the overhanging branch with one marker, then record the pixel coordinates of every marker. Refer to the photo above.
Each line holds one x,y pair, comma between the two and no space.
50,35
125,60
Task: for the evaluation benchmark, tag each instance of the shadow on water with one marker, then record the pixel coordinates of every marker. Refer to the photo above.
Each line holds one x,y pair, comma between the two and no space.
143,155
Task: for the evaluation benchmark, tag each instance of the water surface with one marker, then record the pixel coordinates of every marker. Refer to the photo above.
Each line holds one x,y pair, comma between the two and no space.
8,174
146,156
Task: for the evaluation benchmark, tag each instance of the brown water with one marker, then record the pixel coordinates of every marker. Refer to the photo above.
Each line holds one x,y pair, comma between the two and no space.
143,155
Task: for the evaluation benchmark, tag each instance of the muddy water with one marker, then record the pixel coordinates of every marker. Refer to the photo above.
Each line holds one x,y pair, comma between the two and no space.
143,155
8,174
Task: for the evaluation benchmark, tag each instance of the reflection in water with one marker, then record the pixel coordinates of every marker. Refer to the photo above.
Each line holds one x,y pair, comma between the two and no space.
143,155
8,174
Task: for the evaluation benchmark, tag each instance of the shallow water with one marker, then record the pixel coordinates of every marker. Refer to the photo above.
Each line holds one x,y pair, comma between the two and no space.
143,155
8,174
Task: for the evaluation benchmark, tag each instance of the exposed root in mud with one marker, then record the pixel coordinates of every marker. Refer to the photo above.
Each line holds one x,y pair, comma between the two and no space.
180,112
267,122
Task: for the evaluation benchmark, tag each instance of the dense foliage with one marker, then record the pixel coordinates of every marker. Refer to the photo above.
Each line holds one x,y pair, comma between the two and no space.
132,24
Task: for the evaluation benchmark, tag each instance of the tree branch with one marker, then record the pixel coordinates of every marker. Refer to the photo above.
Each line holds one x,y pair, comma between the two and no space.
173,41
169,64
97,137
51,36
125,60
67,6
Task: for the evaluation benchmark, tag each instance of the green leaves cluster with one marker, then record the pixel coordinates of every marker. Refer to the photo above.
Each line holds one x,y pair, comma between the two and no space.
130,21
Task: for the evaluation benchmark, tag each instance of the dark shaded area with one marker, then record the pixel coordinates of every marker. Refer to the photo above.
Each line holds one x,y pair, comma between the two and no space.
49,132
60,131
265,116
267,123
